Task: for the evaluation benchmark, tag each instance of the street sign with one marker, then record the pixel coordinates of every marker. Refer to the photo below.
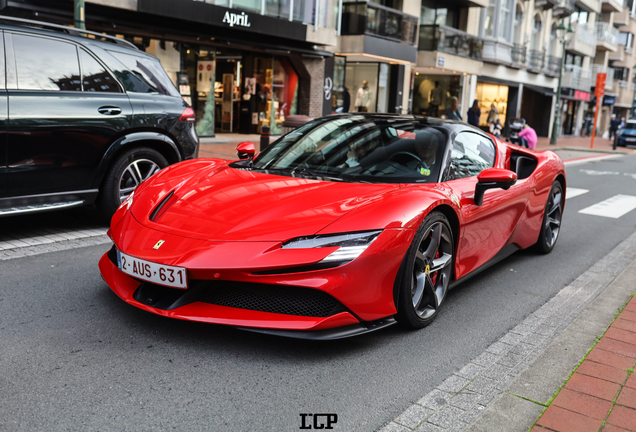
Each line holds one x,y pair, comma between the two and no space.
599,89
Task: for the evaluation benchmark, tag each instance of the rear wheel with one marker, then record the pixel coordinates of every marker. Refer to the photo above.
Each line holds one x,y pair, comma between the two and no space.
427,272
125,174
552,216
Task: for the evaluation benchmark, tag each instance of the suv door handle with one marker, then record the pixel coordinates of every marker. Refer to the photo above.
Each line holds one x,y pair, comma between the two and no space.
109,110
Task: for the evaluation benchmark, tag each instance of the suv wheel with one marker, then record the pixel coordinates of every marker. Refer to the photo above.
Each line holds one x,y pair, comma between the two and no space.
125,174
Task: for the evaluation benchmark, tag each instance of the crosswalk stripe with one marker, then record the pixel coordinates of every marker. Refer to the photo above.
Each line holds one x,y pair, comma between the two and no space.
571,192
613,207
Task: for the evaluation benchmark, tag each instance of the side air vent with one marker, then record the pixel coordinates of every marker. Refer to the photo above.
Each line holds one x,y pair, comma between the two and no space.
156,213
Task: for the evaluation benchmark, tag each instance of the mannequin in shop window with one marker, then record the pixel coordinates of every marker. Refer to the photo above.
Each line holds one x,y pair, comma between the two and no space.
434,100
363,97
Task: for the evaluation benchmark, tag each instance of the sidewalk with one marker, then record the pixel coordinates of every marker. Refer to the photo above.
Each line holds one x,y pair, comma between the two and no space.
601,393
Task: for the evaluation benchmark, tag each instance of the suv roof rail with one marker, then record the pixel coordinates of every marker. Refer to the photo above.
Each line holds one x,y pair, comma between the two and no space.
70,30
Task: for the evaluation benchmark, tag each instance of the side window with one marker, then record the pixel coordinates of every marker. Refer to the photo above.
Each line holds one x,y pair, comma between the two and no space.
141,74
94,77
471,154
46,64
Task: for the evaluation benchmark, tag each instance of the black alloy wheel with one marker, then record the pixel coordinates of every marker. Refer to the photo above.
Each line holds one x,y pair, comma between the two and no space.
427,272
552,216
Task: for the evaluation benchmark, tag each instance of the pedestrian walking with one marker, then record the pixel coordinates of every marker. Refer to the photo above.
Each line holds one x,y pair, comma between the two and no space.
493,114
474,113
614,123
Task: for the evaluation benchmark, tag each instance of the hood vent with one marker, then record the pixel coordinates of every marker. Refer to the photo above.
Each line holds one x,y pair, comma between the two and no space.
161,208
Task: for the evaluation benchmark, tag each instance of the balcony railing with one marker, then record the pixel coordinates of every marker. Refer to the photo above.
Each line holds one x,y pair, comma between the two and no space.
606,33
451,41
537,59
376,20
553,65
577,78
585,35
518,54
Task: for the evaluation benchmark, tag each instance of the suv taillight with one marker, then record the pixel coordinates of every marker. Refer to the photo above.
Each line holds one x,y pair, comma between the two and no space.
188,115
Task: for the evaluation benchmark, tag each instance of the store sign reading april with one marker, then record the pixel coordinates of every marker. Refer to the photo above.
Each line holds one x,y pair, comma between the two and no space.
235,19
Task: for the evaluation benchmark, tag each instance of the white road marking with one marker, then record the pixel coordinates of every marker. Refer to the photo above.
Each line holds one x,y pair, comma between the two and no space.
571,192
631,175
588,159
598,173
613,207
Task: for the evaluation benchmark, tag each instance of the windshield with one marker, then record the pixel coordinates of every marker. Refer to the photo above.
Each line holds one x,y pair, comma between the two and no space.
630,125
357,148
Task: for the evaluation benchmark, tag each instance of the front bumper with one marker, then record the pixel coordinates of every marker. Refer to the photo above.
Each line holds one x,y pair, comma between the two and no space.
316,304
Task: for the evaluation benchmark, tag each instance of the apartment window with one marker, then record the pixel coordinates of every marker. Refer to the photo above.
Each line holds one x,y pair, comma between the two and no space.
621,74
489,23
497,19
579,16
518,35
626,39
537,26
439,16
504,27
573,59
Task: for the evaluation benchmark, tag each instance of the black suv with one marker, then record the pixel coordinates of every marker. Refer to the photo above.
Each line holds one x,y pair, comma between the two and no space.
83,120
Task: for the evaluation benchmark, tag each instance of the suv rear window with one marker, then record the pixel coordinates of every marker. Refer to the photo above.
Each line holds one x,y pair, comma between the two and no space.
140,74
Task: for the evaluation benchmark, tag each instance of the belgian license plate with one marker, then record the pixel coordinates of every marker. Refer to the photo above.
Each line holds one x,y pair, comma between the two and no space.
152,272
630,139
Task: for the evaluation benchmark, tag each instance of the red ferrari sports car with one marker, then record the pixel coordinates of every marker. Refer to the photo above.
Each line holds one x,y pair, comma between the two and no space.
346,225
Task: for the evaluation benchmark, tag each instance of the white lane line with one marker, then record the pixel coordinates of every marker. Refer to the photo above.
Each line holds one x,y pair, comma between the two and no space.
571,192
613,207
588,159
598,173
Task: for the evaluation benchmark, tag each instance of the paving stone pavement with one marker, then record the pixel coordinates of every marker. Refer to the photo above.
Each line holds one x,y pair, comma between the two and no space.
458,403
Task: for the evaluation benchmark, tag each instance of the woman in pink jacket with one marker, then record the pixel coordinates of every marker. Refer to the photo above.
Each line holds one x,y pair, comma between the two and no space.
529,135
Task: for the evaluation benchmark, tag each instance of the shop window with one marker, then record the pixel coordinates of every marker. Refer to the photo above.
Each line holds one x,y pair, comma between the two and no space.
304,11
471,154
277,8
341,94
491,94
362,80
248,5
284,93
432,93
61,70
94,77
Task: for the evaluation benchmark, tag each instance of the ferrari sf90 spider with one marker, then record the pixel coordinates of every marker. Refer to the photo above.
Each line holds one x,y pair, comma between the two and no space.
346,225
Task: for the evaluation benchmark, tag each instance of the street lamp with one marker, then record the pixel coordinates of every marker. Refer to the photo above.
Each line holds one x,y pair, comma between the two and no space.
563,35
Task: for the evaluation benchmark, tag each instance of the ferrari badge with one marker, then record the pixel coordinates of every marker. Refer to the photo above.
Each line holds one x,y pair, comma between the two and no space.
158,245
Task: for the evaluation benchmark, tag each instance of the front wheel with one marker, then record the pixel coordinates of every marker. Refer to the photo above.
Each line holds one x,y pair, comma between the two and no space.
427,273
125,174
552,216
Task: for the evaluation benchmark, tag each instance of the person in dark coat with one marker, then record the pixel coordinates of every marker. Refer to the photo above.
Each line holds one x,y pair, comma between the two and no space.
614,123
346,100
474,113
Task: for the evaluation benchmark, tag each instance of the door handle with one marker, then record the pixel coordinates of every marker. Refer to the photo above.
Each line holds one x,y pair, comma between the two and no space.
109,110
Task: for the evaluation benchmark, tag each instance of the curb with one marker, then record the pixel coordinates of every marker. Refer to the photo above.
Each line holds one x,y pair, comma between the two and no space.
508,385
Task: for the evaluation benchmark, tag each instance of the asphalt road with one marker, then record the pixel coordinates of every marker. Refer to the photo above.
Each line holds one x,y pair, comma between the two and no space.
75,357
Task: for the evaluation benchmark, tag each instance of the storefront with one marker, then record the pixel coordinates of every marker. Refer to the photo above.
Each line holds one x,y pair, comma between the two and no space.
574,103
489,94
432,93
241,65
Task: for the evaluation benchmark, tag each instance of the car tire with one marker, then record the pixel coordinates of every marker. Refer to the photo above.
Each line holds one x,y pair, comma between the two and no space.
428,267
125,173
551,223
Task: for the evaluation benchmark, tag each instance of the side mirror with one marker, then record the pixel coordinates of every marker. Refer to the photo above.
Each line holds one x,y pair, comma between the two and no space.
493,178
246,150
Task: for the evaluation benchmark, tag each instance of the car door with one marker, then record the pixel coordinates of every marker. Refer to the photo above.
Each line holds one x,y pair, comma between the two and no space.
4,117
65,109
486,228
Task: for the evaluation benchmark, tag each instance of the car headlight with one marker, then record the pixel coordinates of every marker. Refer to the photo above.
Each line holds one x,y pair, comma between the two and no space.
128,201
620,132
350,245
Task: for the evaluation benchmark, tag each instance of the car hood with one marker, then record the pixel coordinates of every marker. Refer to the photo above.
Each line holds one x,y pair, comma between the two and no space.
221,203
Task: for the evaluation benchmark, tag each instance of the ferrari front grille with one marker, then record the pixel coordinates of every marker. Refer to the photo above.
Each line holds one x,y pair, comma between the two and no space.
272,298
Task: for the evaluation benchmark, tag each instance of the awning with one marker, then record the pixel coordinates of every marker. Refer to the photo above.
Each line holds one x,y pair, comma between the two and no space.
543,90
